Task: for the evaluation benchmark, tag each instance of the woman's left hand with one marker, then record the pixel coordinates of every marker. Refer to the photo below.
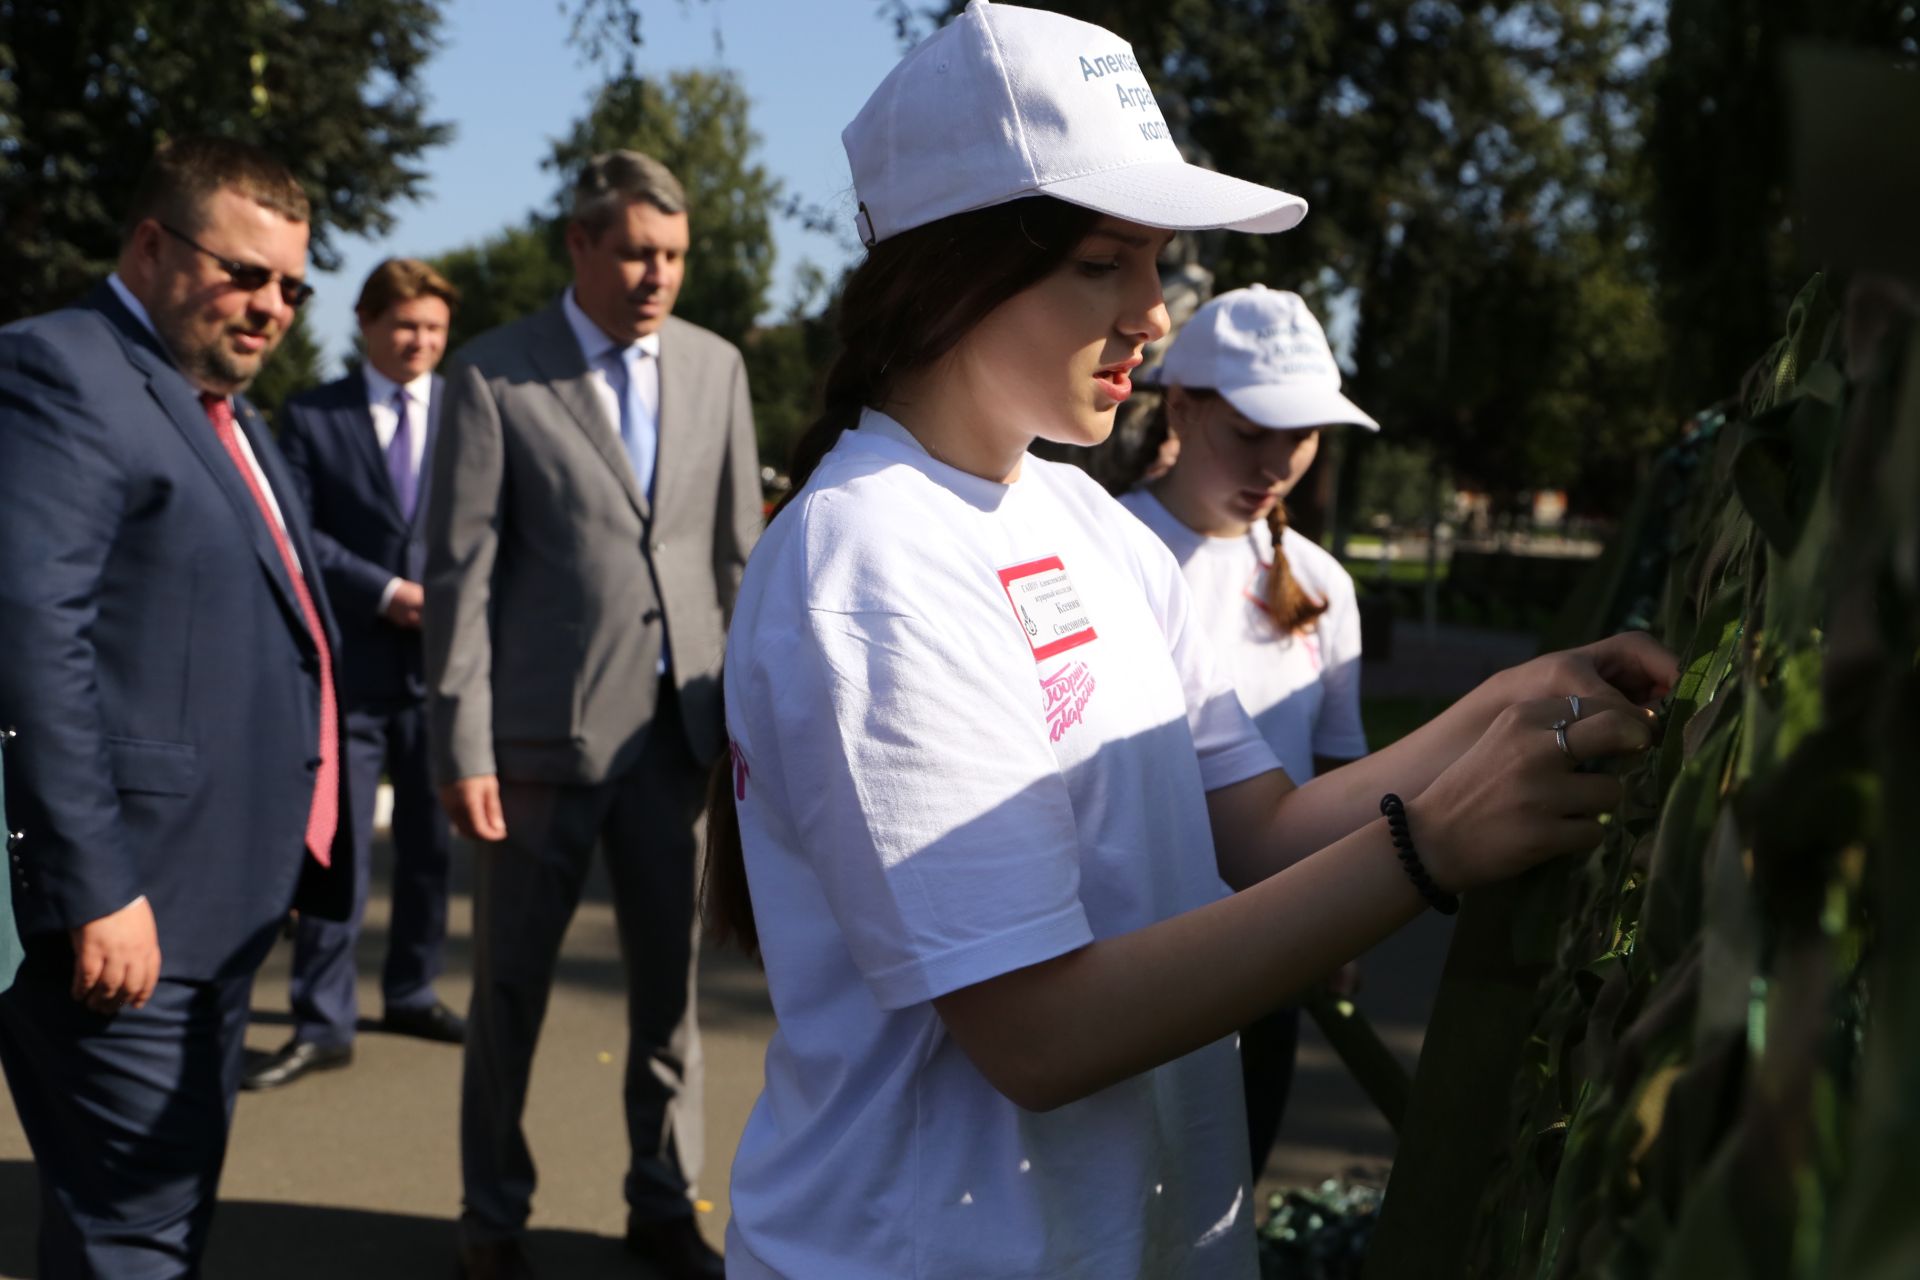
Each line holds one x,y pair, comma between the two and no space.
1633,664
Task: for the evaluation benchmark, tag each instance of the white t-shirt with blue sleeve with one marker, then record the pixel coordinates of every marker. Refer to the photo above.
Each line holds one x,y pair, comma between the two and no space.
974,726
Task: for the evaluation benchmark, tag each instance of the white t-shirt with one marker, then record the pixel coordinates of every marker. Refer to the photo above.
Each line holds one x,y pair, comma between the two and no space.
1302,690
973,726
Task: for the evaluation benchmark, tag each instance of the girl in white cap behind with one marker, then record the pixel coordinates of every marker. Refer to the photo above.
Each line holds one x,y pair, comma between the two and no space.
1250,382
987,778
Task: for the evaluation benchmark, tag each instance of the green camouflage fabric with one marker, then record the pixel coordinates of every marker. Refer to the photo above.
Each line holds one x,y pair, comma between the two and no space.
1718,1071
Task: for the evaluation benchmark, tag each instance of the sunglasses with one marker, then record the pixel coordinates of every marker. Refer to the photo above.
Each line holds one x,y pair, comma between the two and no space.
248,277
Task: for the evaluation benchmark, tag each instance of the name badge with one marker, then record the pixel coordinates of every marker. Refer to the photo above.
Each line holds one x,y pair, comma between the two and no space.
1047,607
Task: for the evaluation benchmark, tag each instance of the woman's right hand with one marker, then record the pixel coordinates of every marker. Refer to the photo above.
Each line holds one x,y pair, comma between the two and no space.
1514,798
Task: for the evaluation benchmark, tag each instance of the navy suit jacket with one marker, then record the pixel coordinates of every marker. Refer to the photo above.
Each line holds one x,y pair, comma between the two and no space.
154,662
364,541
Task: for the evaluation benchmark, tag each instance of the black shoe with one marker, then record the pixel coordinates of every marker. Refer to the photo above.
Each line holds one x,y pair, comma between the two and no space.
295,1059
429,1022
675,1249
495,1260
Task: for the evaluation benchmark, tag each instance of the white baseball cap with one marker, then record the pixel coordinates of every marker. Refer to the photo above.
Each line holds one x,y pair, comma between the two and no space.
1265,352
1005,102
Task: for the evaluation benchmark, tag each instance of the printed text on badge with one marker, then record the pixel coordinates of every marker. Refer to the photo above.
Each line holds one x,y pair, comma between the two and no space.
1047,607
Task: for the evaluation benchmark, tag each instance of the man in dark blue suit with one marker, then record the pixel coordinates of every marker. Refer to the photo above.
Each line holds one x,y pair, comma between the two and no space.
357,448
173,765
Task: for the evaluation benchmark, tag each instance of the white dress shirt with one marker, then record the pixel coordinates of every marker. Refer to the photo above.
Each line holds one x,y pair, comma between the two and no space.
246,450
607,373
607,365
380,389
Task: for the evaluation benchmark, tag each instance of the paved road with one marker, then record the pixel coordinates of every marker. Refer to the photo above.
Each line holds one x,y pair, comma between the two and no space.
355,1173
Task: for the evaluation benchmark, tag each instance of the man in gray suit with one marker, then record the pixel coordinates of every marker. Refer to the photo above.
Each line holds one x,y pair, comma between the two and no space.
596,492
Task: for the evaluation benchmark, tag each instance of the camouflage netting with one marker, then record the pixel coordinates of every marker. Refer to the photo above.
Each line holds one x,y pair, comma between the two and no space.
1721,1064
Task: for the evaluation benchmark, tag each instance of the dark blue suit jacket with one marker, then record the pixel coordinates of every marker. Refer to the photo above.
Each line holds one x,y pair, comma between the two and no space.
363,539
153,657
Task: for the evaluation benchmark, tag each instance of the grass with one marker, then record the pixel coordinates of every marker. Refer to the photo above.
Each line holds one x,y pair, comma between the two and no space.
1388,720
1399,572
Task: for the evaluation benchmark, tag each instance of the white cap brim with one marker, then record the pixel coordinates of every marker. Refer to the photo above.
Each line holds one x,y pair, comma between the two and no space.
1294,408
1178,196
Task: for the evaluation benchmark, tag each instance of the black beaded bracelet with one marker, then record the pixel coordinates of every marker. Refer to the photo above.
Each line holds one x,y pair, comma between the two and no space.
1396,813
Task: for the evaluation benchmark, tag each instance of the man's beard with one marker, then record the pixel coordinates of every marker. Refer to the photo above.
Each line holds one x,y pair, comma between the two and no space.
212,364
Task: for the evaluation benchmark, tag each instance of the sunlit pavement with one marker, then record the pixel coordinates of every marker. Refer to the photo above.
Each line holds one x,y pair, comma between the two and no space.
355,1173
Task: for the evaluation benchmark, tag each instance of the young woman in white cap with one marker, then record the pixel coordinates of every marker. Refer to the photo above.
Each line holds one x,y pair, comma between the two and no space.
1250,383
986,778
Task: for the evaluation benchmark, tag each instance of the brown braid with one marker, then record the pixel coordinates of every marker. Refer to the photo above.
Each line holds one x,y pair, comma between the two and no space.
1288,603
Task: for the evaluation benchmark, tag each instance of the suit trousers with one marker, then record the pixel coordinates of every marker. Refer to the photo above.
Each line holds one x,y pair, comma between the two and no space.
390,739
127,1115
526,889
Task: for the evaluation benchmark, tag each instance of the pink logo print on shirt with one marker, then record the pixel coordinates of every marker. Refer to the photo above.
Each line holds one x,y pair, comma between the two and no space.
1256,593
1066,692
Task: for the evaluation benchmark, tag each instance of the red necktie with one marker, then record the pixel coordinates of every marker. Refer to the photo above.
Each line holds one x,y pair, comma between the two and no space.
323,818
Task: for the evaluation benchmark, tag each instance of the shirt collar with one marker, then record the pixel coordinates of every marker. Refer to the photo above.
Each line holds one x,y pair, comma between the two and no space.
875,427
380,387
132,304
139,310
595,345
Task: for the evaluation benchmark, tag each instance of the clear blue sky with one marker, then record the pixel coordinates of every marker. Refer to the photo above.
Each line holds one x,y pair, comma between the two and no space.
509,83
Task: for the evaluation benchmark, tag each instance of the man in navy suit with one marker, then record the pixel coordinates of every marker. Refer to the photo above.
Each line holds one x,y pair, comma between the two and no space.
174,752
357,448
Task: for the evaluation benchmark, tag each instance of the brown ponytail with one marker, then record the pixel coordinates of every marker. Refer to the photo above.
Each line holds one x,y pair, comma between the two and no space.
1288,603
910,302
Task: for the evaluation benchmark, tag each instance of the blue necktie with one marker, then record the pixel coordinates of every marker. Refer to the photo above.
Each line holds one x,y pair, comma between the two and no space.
640,434
400,467
637,431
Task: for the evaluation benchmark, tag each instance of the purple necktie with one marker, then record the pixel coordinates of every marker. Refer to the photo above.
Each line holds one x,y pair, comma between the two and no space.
400,456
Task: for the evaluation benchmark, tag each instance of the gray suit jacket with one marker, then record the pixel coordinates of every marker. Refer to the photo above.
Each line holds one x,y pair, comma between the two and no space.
550,580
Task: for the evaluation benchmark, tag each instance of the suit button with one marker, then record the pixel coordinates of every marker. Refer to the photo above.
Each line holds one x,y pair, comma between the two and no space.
9,733
313,764
14,840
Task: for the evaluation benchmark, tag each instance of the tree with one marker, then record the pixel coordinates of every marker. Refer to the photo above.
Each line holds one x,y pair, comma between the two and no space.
1467,201
292,368
87,87
508,275
697,125
786,363
1722,214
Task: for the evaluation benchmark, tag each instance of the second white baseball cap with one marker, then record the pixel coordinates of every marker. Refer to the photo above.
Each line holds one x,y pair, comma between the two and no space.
1005,102
1266,353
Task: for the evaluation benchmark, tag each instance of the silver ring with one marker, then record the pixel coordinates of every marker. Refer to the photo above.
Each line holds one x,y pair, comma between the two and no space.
1573,707
1560,739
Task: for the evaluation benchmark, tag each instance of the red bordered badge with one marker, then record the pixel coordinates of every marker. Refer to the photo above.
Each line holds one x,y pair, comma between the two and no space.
1046,607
